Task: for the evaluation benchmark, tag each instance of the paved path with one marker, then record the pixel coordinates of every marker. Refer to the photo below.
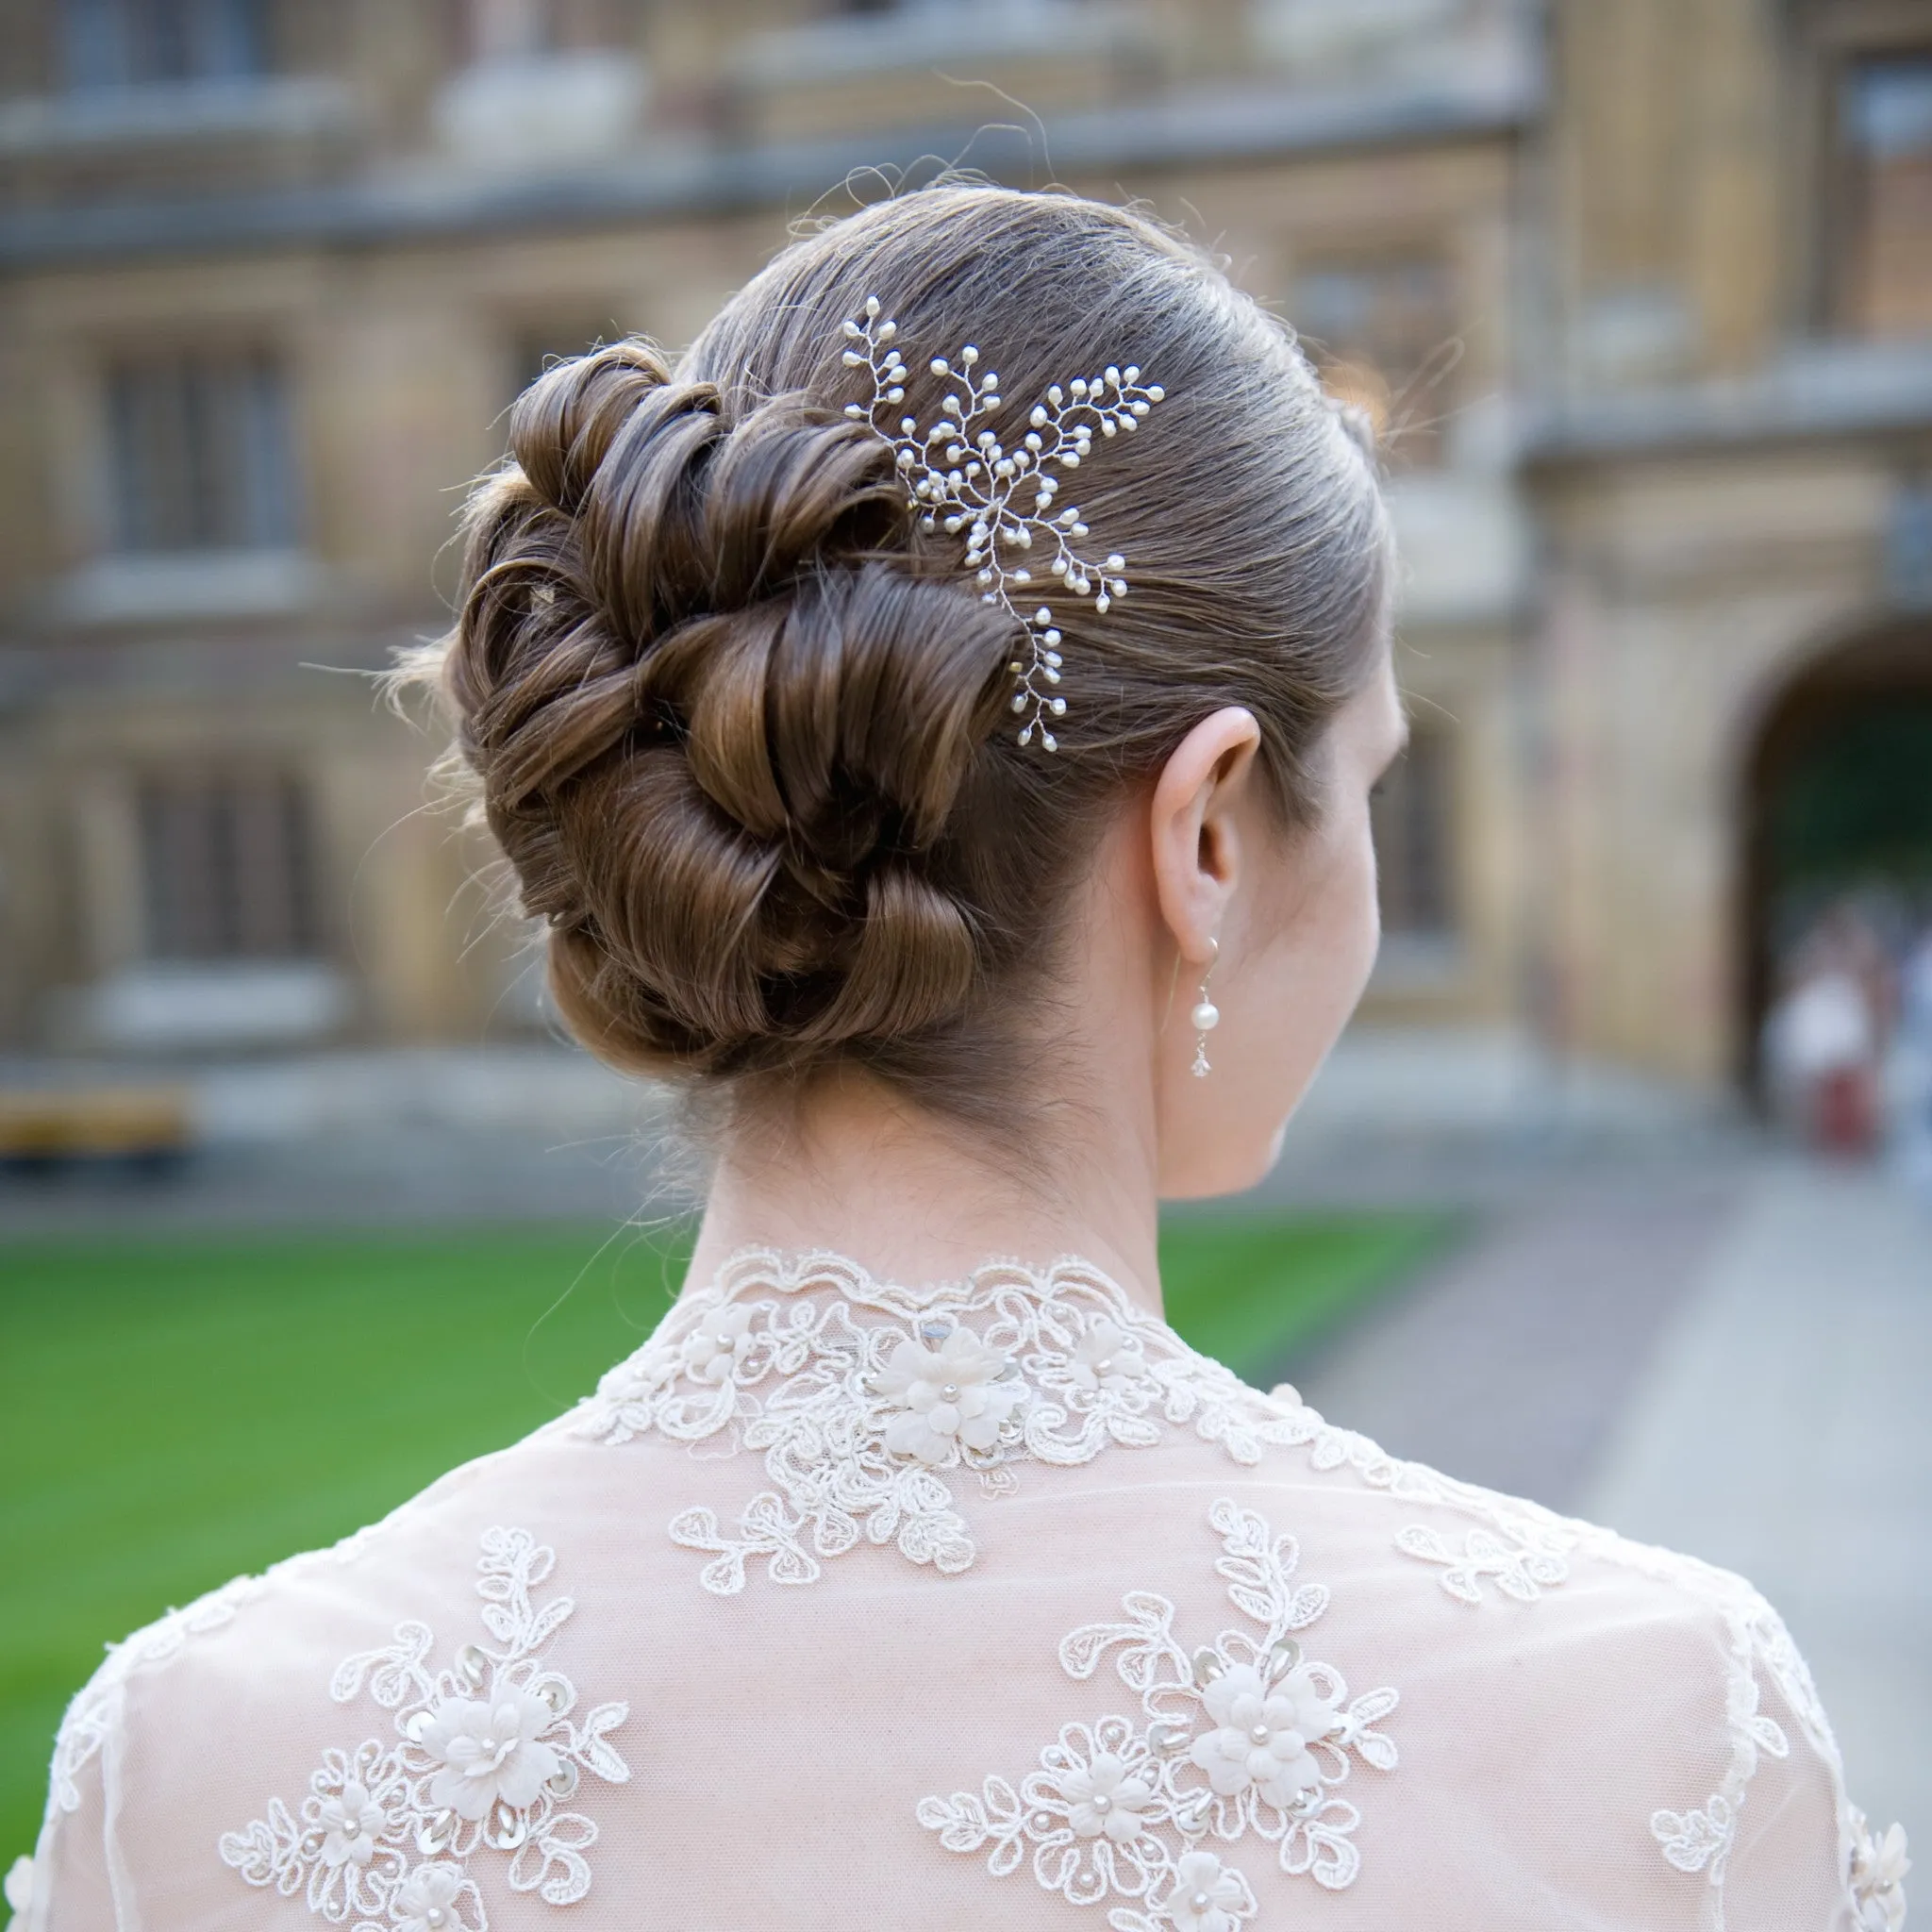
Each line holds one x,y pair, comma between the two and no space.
1510,1363
1786,1432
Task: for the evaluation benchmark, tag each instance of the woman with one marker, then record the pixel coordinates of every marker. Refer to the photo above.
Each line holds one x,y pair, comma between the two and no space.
935,724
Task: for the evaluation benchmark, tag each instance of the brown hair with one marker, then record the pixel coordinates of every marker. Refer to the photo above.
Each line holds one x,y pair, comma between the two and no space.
741,729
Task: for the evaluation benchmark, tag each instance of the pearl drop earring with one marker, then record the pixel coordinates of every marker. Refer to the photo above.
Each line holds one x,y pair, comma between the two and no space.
1206,1015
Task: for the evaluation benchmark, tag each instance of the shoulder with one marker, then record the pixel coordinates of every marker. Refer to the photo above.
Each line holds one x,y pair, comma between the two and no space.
225,1711
1686,1689
421,1556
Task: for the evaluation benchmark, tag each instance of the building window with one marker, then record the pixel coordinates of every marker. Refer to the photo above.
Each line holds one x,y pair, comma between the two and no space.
1413,815
149,42
1884,225
228,867
201,455
1382,329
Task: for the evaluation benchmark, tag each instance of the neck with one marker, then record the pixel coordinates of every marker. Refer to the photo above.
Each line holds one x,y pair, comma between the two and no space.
918,1200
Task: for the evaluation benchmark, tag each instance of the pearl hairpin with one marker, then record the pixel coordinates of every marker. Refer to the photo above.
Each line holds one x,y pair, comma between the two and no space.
961,480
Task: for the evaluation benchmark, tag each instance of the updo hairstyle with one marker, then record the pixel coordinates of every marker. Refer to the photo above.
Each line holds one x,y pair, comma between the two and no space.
743,731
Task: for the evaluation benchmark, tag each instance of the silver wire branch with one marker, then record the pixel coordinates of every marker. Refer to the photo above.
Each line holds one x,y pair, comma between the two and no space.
963,479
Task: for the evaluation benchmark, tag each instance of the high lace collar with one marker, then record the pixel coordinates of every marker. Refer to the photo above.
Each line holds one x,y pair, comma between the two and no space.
757,1268
867,1398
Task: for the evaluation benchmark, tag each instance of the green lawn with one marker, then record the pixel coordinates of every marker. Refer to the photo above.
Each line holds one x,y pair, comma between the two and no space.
173,1414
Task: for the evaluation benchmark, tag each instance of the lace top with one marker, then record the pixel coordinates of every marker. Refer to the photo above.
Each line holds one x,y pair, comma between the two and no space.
990,1604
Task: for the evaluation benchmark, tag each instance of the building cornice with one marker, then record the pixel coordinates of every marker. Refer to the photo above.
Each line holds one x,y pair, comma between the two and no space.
1222,126
1813,392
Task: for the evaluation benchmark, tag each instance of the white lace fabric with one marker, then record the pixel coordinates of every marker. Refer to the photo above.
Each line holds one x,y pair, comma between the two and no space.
988,1606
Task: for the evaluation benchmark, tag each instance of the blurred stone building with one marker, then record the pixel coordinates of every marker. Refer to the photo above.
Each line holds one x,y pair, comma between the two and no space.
1641,290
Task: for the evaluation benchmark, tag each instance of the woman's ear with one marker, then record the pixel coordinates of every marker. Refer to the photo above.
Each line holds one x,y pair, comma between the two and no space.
1196,847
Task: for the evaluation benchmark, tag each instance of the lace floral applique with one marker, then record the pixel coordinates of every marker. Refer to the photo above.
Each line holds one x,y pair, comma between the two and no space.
860,1421
1878,1875
1243,1737
1517,1565
487,1757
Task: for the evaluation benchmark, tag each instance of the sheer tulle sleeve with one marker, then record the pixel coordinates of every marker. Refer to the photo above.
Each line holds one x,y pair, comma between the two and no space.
1792,1850
71,1885
80,1879
1791,1863
1751,1825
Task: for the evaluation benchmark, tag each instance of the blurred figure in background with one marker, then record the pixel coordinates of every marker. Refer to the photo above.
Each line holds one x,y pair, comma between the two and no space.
1826,1037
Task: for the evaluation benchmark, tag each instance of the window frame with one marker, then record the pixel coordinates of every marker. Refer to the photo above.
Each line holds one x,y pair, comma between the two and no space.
124,54
255,484
1831,38
265,810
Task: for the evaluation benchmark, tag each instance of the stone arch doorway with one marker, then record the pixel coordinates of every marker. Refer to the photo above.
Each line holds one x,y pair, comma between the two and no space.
1837,803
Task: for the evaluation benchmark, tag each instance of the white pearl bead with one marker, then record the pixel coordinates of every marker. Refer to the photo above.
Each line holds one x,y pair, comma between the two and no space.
1206,1017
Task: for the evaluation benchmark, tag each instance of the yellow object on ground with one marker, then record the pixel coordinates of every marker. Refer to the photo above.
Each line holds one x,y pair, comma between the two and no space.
99,1122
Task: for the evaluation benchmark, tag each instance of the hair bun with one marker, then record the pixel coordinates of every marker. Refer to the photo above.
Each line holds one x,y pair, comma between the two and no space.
714,731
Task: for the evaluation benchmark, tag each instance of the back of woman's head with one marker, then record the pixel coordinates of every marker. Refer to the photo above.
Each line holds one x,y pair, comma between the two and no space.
744,729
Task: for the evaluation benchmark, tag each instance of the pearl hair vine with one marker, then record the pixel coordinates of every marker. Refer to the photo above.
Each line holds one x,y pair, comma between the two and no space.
959,479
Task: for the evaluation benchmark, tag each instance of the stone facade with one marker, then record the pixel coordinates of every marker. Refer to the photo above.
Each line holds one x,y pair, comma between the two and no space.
269,279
